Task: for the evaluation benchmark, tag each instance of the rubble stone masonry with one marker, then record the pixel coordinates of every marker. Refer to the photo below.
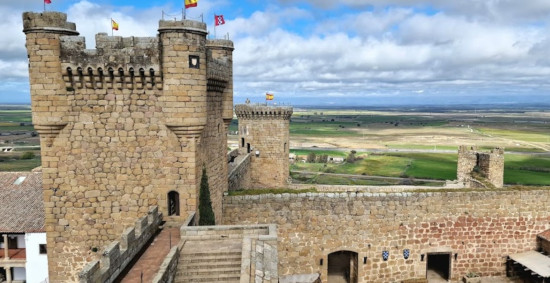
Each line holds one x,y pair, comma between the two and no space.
480,228
489,164
123,125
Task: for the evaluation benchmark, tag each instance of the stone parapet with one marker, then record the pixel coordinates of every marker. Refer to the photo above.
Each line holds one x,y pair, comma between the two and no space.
54,22
220,44
183,26
117,255
257,111
239,173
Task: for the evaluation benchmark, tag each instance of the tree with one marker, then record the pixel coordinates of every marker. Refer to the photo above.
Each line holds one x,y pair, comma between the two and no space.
206,213
323,158
311,157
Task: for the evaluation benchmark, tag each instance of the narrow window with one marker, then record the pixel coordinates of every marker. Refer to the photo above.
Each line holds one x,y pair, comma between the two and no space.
42,249
173,203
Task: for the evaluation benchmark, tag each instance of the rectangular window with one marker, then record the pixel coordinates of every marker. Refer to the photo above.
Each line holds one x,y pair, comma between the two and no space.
42,249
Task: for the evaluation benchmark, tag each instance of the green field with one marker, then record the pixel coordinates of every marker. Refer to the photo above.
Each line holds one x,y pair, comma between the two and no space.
518,169
19,165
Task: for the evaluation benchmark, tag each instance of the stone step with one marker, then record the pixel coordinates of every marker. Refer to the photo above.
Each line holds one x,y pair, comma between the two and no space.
210,258
210,270
208,278
219,254
203,265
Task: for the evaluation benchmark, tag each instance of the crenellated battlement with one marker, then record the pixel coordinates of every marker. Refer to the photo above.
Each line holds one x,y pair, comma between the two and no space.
257,112
117,62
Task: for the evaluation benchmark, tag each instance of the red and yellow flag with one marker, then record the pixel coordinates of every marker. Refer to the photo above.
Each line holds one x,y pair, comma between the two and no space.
114,25
190,3
269,96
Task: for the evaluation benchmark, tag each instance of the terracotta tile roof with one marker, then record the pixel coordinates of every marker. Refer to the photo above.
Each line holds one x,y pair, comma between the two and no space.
545,235
21,205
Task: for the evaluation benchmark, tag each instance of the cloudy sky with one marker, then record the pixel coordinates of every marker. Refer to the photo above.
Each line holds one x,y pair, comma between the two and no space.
357,52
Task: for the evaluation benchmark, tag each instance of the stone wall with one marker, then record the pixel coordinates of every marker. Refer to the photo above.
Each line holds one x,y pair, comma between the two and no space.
122,126
239,174
264,132
116,256
480,228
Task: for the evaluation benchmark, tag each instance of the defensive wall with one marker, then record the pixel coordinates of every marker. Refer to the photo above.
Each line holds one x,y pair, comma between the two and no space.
478,229
125,126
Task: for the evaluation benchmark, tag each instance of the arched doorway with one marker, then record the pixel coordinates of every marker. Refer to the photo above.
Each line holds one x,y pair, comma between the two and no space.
173,203
342,267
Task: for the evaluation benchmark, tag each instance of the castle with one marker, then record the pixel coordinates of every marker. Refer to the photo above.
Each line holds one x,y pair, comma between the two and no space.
131,124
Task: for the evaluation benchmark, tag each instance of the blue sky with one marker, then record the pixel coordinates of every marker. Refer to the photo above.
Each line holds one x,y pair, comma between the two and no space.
355,52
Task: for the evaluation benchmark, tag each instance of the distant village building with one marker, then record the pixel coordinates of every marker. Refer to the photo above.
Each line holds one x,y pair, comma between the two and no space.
334,159
292,157
23,251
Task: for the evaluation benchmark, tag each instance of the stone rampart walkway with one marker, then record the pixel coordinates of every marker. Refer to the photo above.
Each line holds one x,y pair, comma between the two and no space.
150,261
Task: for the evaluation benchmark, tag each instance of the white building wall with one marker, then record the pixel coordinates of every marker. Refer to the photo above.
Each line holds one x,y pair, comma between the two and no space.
21,241
37,264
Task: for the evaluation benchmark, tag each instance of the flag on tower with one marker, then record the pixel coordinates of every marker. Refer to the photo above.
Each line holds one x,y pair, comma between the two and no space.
114,25
190,3
47,1
269,96
219,20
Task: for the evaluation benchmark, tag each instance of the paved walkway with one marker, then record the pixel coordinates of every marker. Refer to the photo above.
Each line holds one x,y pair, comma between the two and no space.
434,277
152,258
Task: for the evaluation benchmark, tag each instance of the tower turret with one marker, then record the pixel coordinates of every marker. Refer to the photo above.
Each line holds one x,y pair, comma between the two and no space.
264,133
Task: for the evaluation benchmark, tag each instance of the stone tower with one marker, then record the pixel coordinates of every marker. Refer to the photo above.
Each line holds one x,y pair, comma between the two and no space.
490,165
123,127
264,133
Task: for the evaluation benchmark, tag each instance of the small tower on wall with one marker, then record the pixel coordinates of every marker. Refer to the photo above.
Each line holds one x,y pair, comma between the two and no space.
488,165
264,134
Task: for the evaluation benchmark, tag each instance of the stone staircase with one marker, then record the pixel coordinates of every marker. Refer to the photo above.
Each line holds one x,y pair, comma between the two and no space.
210,261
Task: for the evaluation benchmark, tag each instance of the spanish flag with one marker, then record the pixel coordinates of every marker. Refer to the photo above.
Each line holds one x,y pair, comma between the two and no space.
190,3
268,96
114,25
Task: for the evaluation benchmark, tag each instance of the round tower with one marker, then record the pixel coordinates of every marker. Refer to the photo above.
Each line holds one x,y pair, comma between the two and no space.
264,134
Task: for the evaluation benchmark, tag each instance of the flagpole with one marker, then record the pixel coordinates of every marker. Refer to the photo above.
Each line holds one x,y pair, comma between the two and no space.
215,24
112,34
44,6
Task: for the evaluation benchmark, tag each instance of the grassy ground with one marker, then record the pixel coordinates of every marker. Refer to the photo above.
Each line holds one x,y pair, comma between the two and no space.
19,165
526,170
519,169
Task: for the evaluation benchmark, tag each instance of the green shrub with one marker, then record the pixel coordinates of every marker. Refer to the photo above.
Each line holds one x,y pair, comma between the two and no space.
206,213
28,155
